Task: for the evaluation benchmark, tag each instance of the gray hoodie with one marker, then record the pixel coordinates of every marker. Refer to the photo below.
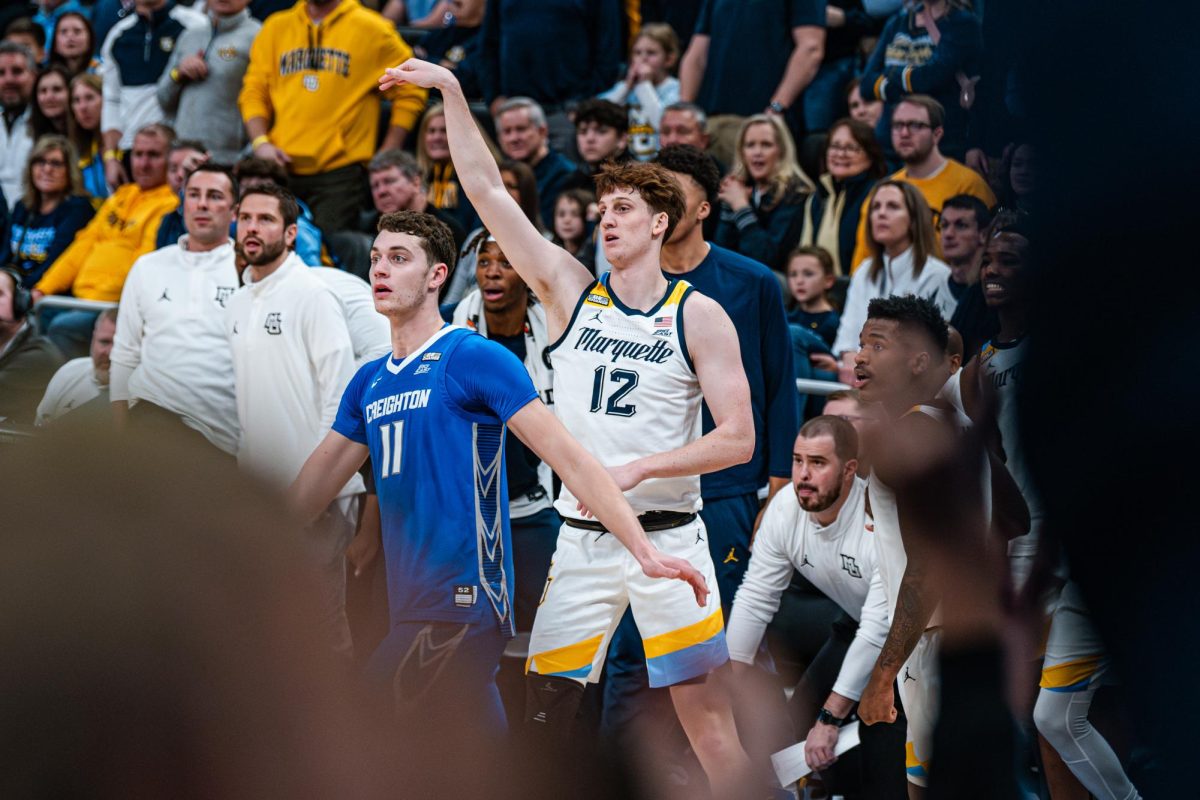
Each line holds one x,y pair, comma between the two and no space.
207,110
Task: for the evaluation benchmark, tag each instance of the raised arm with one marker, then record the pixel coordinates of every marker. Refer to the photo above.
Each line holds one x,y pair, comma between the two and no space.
323,475
553,274
540,430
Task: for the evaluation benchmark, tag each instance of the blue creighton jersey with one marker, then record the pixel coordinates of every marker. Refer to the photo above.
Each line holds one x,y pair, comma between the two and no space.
435,425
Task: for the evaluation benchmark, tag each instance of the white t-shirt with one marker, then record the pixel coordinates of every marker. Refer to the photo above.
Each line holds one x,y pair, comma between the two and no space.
73,385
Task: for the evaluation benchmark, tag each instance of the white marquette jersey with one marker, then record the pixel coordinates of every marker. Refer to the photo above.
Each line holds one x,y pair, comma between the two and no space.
1002,364
73,385
625,388
841,561
170,347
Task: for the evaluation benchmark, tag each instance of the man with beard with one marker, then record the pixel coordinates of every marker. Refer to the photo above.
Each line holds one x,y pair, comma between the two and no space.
822,530
17,71
81,380
292,357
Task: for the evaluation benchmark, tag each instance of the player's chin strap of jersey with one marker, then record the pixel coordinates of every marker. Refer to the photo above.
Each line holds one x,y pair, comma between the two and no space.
551,703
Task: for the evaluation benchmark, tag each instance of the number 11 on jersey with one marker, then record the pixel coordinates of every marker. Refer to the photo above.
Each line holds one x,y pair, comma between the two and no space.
391,434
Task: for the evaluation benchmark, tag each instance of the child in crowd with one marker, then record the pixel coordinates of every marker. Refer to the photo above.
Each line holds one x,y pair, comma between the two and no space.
648,87
810,276
572,229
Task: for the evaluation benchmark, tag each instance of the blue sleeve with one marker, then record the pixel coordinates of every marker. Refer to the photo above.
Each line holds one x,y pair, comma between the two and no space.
783,403
956,51
485,378
79,214
308,242
806,12
704,20
349,421
872,73
765,237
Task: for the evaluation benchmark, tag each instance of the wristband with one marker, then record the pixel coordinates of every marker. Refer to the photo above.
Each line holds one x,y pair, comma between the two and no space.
114,155
826,717
175,76
776,107
262,139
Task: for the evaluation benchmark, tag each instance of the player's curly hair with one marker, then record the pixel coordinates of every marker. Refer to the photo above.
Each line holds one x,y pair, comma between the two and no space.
912,311
652,182
436,239
692,161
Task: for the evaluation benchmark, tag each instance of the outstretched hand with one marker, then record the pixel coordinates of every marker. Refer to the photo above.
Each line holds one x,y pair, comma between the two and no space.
425,74
658,565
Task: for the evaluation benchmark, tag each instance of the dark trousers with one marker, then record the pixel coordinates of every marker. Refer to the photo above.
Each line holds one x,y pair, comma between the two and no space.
336,198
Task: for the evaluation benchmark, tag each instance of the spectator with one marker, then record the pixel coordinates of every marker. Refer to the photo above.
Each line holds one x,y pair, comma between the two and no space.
370,334
524,136
601,133
17,70
132,58
397,185
200,85
930,49
502,308
94,266
522,186
50,12
183,157
171,360
24,31
83,128
433,156
903,243
571,228
252,173
810,276
916,131
853,163
684,123
27,361
81,380
51,101
53,209
787,38
455,42
865,111
314,109
648,87
762,198
556,52
1017,176
825,100
292,357
74,43
963,230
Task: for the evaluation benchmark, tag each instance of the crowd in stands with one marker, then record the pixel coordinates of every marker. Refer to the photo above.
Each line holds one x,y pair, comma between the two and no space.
212,173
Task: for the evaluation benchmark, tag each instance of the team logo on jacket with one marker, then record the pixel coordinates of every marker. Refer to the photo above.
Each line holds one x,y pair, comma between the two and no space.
851,566
431,357
273,325
227,53
311,83
167,43
223,294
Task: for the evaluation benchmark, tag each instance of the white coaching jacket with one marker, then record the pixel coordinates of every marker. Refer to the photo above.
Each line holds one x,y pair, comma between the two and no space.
170,347
840,560
292,359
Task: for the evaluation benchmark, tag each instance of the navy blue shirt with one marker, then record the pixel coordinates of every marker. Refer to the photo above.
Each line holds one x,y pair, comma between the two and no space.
823,323
751,296
551,50
750,44
37,240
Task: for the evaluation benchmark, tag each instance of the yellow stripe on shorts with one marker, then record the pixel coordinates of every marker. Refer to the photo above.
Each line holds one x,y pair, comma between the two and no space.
673,641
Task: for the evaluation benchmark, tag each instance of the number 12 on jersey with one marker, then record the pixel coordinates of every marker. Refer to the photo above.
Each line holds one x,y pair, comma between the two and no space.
391,435
627,379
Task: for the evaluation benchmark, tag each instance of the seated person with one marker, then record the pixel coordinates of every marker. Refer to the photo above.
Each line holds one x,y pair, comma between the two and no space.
185,155
27,361
81,380
398,185
253,172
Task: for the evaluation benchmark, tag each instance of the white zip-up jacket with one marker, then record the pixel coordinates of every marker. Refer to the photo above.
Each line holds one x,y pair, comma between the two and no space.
370,331
170,348
840,560
292,359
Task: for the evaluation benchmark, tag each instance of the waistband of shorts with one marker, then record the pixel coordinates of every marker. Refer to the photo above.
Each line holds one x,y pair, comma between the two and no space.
650,521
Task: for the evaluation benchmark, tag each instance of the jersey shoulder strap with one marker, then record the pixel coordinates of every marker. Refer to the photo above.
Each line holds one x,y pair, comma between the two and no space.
595,296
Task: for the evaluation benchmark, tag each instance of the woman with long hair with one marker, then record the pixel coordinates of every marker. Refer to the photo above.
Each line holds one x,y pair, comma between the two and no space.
902,241
762,198
853,162
83,129
74,43
51,102
433,156
53,209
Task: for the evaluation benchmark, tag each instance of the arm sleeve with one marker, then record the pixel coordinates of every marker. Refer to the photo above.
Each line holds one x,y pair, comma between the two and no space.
349,421
127,344
255,98
767,243
957,50
328,343
110,74
491,379
408,100
652,105
767,576
864,650
50,399
783,402
168,88
617,94
854,314
806,12
872,78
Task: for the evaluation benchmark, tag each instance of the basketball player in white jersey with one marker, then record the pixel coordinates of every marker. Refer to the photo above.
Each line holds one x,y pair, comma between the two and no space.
633,354
902,364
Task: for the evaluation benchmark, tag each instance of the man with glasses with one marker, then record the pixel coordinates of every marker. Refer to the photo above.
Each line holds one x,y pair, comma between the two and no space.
916,131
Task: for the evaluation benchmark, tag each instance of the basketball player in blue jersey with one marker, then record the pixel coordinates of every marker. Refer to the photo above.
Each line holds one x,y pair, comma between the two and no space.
432,416
633,355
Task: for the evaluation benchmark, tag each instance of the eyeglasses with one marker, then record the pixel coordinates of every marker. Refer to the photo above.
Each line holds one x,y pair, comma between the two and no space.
913,125
52,163
849,149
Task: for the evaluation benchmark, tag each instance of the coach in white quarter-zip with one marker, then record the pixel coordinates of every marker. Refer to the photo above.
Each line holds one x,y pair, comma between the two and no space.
292,358
170,352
